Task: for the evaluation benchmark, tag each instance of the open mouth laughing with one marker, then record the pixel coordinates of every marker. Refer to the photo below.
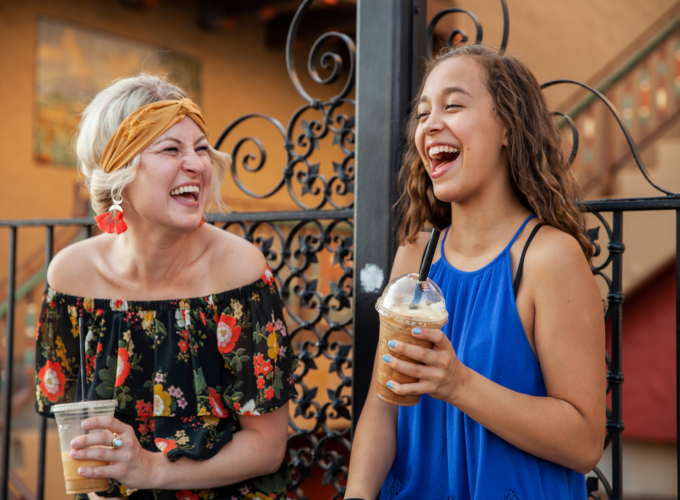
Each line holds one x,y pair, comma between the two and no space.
186,193
441,157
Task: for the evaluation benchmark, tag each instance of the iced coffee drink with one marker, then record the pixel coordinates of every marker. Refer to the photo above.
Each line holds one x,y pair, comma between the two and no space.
75,483
405,304
69,418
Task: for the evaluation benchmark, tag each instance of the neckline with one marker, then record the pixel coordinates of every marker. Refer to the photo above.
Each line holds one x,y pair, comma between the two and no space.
164,304
442,255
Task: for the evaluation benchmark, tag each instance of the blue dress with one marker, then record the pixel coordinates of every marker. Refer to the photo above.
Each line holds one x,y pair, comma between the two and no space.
442,454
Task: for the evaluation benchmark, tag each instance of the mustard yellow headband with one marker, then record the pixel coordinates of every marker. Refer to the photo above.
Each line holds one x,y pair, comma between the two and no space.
143,127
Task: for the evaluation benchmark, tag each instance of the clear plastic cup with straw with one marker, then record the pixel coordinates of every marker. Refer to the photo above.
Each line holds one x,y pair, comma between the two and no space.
69,419
408,301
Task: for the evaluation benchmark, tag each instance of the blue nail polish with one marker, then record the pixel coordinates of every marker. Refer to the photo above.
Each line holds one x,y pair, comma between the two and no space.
387,358
389,385
392,344
416,331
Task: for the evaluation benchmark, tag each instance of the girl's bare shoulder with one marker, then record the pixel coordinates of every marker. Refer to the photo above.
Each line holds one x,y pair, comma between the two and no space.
552,246
409,255
555,258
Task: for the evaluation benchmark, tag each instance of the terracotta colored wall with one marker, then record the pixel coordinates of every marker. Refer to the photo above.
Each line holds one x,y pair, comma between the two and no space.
649,402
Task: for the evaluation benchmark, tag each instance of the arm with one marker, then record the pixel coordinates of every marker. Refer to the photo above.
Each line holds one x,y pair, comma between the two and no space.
568,425
257,449
375,441
374,446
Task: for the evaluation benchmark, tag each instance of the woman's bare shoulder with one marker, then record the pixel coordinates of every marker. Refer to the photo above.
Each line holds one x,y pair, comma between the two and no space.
76,264
239,262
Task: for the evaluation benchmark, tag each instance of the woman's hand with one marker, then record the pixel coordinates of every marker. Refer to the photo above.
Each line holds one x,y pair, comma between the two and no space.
440,375
130,464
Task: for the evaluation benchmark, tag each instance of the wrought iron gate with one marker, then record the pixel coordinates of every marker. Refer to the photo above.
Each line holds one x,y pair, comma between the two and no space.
333,255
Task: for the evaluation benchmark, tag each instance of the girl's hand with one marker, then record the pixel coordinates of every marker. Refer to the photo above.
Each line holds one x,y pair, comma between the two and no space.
441,373
130,464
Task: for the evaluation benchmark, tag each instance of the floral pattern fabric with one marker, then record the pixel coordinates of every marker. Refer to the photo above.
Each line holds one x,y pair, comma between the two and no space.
182,371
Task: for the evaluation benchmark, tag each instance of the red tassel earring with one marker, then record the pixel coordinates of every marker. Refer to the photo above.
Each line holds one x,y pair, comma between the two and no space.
110,223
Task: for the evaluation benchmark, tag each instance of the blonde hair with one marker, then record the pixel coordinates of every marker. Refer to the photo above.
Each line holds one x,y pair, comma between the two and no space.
101,119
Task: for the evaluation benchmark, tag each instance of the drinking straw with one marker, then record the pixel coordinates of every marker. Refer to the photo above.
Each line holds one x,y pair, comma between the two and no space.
83,362
425,267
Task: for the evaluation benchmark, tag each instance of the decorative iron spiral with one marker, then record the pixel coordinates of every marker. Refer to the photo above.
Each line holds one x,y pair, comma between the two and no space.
310,124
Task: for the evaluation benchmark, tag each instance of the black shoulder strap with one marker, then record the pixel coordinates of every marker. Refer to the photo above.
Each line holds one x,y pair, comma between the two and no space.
518,276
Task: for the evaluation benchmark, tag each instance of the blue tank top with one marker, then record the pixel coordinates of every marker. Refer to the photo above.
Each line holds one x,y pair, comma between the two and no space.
442,454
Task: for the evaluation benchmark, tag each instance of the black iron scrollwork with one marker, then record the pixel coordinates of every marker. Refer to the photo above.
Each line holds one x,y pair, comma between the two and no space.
574,136
319,320
311,258
479,32
622,126
302,177
592,485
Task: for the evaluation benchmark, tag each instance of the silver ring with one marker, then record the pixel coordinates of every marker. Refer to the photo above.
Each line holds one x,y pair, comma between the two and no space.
117,441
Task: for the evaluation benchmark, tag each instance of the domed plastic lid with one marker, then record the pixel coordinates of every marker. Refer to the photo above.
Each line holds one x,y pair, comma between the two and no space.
410,301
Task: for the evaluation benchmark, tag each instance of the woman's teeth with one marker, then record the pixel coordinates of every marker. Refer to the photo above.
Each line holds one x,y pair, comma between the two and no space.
185,189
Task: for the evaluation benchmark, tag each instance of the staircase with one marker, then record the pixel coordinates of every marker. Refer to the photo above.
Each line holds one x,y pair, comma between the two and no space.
644,86
650,237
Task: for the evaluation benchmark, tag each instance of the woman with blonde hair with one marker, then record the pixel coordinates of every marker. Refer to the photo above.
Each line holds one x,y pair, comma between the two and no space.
513,391
183,322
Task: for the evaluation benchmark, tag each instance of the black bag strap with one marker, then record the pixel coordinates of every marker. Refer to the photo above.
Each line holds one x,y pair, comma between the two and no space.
518,276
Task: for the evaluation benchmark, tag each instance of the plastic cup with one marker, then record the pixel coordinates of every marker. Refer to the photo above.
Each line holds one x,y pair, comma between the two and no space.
69,418
398,316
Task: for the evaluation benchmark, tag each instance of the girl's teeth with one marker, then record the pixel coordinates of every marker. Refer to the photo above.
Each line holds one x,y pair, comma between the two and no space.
442,149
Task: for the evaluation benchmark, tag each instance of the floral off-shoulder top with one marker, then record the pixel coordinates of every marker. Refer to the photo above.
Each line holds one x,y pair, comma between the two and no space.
182,372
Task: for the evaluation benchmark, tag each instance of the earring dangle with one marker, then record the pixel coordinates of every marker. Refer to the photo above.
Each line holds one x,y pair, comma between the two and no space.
202,221
110,223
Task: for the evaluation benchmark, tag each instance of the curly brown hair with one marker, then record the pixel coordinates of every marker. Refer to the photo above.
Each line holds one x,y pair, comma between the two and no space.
539,173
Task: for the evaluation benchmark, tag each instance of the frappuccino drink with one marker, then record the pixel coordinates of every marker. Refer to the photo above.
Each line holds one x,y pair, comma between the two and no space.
406,303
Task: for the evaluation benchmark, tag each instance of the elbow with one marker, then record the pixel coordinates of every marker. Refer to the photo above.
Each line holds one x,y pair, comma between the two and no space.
587,465
275,458
589,457
592,447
